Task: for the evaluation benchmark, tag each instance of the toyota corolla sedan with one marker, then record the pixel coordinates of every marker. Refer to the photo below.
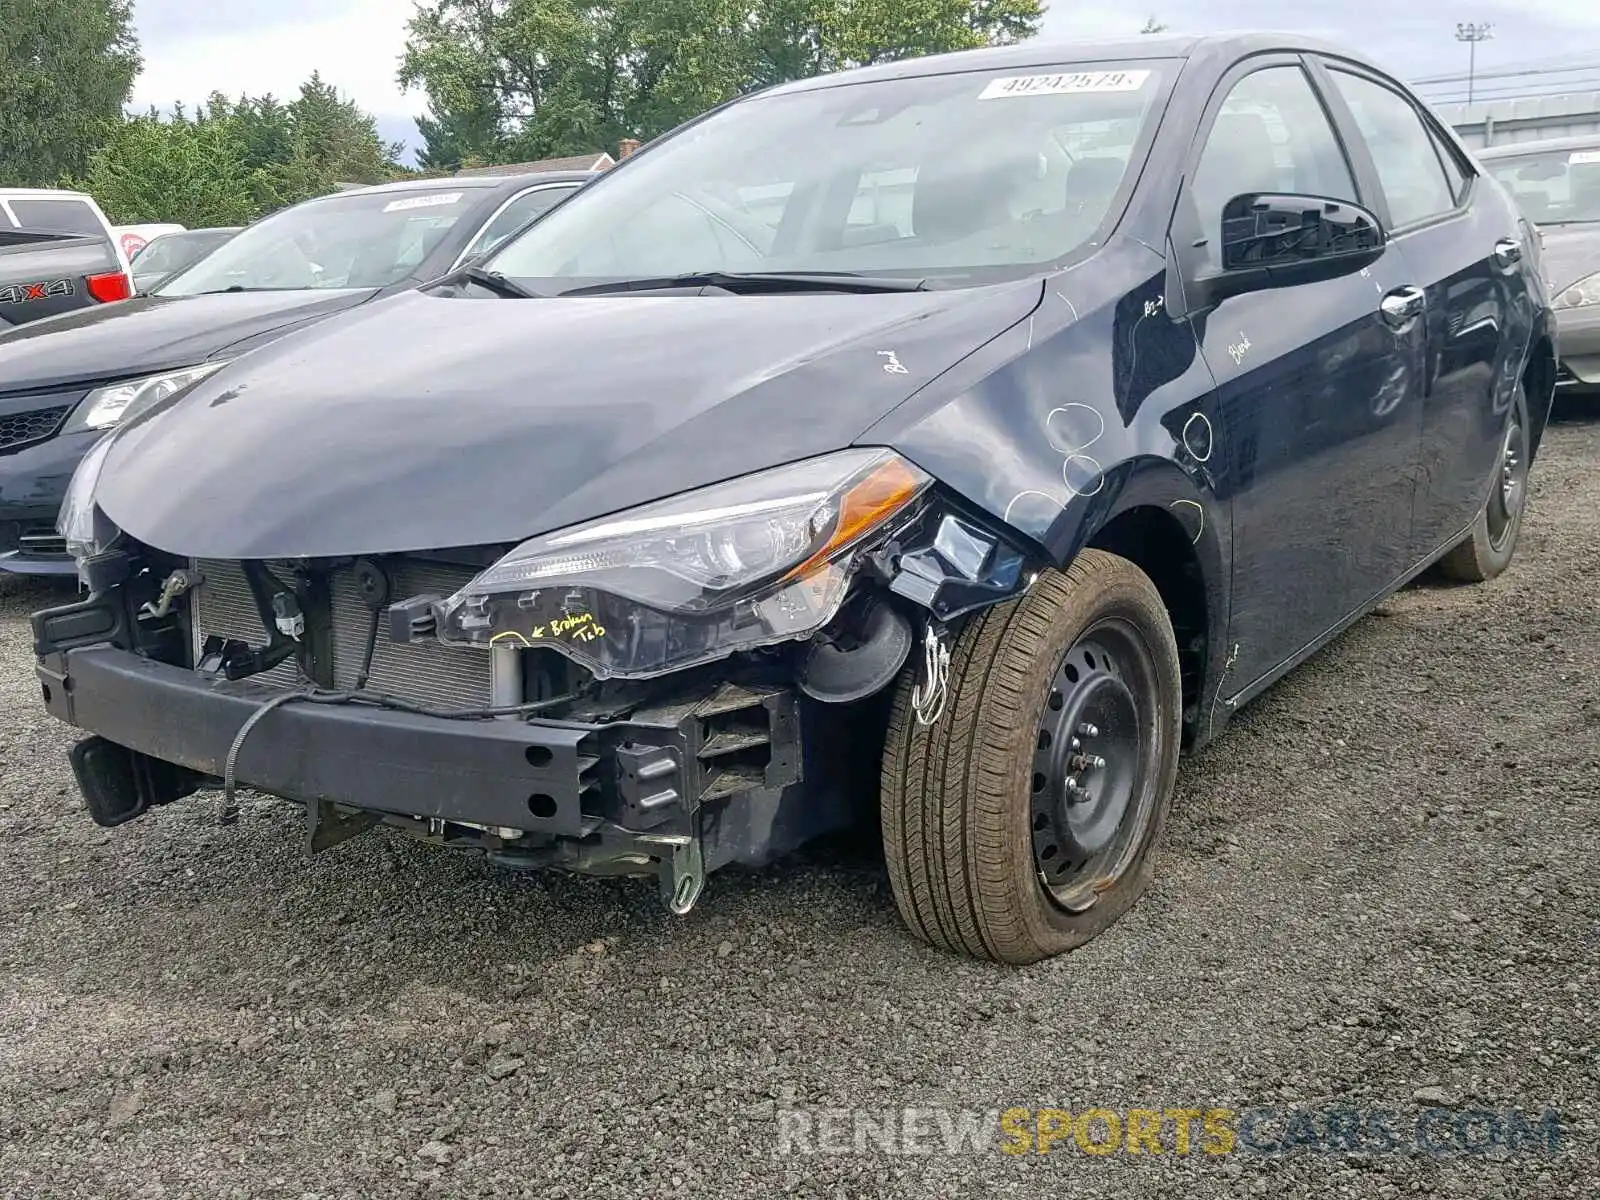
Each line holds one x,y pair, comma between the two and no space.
954,440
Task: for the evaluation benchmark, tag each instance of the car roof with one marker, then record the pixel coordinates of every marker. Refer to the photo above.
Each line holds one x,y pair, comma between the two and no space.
12,193
481,183
201,231
1045,53
1582,141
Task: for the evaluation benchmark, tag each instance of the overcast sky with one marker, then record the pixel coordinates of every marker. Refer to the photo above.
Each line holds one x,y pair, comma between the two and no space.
193,47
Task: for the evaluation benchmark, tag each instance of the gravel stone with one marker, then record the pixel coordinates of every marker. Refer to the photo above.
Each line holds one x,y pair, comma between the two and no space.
199,1012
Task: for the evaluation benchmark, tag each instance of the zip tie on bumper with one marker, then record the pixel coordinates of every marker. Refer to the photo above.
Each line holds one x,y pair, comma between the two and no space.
315,695
230,806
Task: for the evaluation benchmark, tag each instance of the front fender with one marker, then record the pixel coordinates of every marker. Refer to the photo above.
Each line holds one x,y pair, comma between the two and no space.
1100,404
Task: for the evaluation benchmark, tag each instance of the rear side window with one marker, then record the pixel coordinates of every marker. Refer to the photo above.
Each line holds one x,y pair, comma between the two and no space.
1403,151
517,214
59,216
1271,135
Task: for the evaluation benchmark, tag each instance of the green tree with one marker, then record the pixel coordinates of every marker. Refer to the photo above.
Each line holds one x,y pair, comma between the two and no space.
66,69
509,79
341,140
192,172
234,160
459,137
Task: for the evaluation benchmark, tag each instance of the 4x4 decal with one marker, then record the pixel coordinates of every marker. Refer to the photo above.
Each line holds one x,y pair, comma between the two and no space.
21,293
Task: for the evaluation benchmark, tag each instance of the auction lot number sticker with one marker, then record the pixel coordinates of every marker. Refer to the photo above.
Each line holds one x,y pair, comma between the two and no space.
1063,84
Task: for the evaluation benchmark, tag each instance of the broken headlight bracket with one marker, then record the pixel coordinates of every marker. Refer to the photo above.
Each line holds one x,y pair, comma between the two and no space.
951,565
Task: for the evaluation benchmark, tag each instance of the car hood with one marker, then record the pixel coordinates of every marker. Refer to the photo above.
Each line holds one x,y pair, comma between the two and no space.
1569,253
431,422
153,333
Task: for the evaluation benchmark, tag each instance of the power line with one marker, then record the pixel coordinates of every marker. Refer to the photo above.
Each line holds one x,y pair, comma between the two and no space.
1526,64
1585,82
1482,75
1510,94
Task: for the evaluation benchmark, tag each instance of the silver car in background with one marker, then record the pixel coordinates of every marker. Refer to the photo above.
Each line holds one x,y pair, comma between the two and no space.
1557,185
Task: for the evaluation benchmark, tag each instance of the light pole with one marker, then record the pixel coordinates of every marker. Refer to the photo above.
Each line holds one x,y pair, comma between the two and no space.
1473,33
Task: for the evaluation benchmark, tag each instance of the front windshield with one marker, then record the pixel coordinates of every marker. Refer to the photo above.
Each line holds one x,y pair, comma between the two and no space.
961,178
347,241
1553,187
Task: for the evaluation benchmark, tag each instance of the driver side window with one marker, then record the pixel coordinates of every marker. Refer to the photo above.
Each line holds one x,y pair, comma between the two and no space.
1270,135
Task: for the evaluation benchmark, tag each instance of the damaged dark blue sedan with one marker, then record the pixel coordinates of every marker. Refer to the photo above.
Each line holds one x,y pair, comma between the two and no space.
959,437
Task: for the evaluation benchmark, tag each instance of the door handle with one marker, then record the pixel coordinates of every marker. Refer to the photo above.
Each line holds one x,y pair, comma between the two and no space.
1402,305
1507,253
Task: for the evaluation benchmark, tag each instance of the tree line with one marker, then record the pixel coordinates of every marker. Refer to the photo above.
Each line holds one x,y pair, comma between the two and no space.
504,81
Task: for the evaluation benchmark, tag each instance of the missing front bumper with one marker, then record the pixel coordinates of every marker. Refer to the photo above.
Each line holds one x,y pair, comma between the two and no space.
678,788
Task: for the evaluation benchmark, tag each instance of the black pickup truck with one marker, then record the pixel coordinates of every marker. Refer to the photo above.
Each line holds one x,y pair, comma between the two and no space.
43,274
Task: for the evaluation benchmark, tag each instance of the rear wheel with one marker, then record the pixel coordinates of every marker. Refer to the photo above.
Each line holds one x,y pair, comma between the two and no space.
1020,824
1487,550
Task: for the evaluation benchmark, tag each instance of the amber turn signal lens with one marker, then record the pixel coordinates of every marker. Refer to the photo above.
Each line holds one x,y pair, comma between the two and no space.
867,503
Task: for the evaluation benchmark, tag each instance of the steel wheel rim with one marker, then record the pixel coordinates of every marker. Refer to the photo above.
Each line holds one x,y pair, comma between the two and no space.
1089,793
1505,502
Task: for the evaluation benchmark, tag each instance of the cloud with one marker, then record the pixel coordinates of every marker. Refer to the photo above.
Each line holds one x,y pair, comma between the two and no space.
1412,42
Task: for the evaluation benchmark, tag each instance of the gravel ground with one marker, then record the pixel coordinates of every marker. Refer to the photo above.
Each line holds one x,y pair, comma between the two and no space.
1379,891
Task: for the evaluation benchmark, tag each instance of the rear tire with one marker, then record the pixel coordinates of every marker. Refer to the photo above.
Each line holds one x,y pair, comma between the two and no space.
1001,842
1488,549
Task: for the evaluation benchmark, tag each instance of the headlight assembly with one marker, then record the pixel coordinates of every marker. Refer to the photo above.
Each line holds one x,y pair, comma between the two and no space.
110,405
746,563
87,530
1581,294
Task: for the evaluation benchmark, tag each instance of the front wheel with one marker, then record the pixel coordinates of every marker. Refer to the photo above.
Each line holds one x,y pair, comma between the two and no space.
1487,550
1020,823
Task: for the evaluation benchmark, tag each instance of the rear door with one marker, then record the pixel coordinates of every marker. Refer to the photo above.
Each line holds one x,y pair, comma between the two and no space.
1318,395
1463,246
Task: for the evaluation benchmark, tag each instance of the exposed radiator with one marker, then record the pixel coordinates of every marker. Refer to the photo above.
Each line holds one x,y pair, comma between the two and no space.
421,672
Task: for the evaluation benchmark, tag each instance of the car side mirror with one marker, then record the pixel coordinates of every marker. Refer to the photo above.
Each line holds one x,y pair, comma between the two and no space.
1278,240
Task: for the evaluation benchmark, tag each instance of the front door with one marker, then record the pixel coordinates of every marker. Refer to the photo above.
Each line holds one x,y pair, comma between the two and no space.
1319,392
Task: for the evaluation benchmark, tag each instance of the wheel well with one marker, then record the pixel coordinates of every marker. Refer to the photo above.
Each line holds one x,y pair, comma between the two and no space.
1539,385
1156,542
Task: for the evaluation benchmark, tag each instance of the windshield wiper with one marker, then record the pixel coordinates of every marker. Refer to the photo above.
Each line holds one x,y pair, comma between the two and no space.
495,282
758,281
239,287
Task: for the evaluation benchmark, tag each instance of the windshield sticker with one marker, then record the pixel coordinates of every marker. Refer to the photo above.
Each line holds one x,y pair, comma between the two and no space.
1584,156
1064,84
436,200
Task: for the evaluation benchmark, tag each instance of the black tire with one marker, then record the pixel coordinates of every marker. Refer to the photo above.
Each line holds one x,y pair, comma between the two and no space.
960,798
1488,549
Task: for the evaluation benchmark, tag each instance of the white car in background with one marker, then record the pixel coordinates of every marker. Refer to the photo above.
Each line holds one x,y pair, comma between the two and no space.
133,238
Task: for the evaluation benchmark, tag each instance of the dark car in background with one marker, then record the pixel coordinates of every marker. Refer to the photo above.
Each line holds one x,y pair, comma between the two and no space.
66,380
1557,184
952,439
163,257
